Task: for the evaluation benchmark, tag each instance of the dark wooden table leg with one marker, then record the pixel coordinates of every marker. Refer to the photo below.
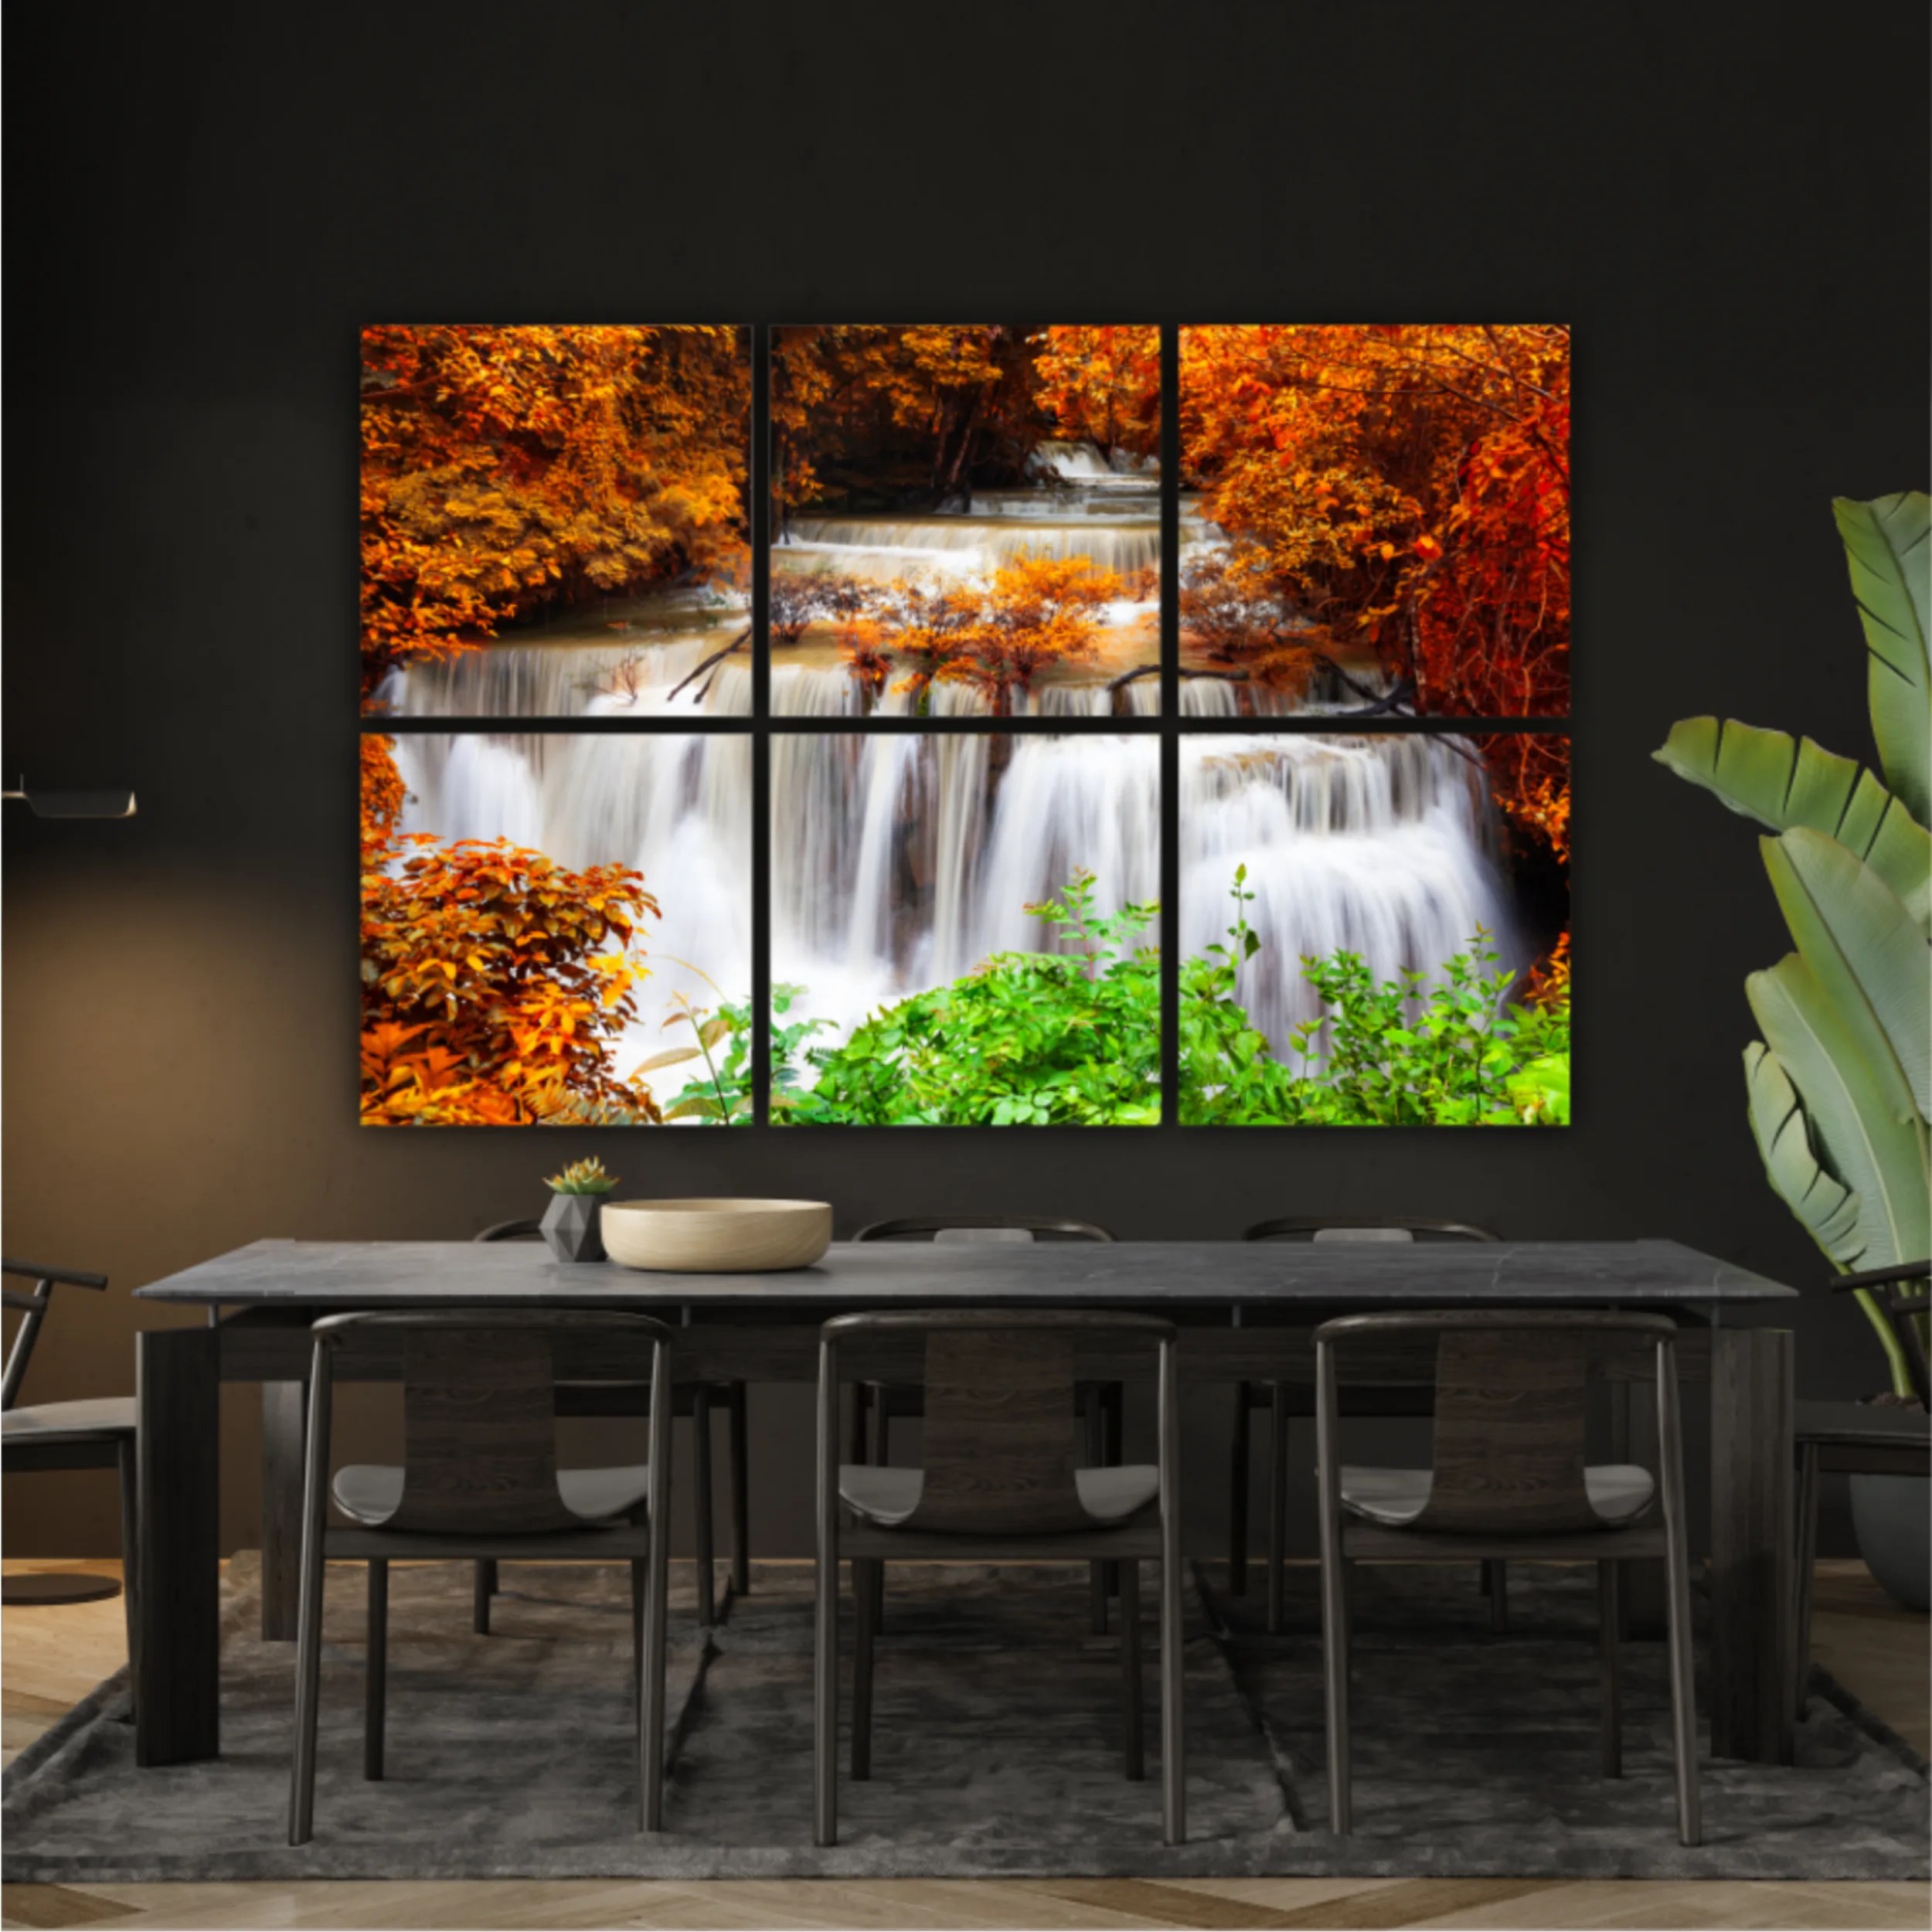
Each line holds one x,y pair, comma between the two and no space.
177,1394
285,1417
1751,1677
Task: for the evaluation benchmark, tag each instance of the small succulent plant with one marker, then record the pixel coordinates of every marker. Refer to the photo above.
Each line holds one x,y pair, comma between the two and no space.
583,1177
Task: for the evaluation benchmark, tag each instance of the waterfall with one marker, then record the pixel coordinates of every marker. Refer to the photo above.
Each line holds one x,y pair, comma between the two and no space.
676,808
1385,845
613,679
830,691
968,546
901,862
1083,464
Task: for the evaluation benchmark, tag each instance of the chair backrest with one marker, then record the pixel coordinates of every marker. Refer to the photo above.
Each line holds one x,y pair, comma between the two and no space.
32,1310
1900,1293
1000,1418
510,1231
972,1228
1511,1407
479,1409
1334,1227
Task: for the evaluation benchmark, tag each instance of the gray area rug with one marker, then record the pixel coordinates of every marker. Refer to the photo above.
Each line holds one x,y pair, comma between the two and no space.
996,1746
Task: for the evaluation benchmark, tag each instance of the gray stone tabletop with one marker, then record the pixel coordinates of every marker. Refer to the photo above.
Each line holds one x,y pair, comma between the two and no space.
311,1274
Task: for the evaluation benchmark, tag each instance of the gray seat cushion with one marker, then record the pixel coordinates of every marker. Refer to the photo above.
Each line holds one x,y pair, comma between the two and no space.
1619,1492
885,1498
368,1492
96,1420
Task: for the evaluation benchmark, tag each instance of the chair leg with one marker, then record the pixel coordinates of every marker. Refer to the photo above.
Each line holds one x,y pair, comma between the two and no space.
1096,1433
825,1700
130,1561
701,1504
1610,1622
1238,1497
1277,1504
1335,1671
376,1673
1114,1439
640,1583
1806,1562
1173,1700
866,1580
308,1622
1497,1573
738,1476
1683,1680
483,1590
1131,1696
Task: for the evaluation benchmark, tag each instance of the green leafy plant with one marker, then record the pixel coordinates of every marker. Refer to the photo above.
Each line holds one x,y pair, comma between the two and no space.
583,1177
723,1095
1840,1087
1069,1037
1381,1053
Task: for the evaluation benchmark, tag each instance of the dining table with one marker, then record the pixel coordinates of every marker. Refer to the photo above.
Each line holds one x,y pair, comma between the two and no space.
1246,1312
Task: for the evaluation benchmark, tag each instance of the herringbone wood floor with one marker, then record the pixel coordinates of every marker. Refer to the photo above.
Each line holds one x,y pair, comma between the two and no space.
53,1656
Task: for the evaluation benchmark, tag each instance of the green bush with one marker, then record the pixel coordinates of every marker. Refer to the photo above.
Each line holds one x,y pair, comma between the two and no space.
1456,1056
1073,1039
1030,1039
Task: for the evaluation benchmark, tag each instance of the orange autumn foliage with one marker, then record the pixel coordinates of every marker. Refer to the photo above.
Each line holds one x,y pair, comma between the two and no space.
1036,612
1404,489
494,981
507,469
925,412
1102,385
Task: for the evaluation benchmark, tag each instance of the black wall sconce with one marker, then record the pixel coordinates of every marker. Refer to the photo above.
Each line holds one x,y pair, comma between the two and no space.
73,804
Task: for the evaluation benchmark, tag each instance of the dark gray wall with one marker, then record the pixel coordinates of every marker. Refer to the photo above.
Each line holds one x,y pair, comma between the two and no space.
1733,222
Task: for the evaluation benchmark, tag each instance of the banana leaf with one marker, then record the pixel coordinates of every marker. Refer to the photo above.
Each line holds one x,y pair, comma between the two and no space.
1864,950
1887,545
1881,1160
1829,1209
1782,781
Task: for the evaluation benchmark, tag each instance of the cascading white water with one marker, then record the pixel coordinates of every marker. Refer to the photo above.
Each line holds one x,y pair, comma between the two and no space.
676,808
869,546
891,873
1384,845
627,660
900,863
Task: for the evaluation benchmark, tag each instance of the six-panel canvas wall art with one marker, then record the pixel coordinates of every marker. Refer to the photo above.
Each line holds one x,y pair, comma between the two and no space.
1032,725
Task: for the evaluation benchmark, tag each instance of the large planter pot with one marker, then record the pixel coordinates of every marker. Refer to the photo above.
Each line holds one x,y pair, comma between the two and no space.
571,1226
1891,1515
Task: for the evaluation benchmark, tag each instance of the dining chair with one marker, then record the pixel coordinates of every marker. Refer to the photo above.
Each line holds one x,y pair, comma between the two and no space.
94,1432
1509,1479
1101,1406
479,1477
1858,1438
1286,1401
692,1400
998,1485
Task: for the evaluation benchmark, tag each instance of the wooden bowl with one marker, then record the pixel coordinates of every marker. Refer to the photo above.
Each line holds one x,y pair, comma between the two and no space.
722,1236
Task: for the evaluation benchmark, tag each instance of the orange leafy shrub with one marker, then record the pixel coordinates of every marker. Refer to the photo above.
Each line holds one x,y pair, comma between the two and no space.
1103,386
1036,612
505,469
922,411
495,982
1404,489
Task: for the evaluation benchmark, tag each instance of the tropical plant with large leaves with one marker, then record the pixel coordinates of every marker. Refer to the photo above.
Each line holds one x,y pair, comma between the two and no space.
1840,1086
